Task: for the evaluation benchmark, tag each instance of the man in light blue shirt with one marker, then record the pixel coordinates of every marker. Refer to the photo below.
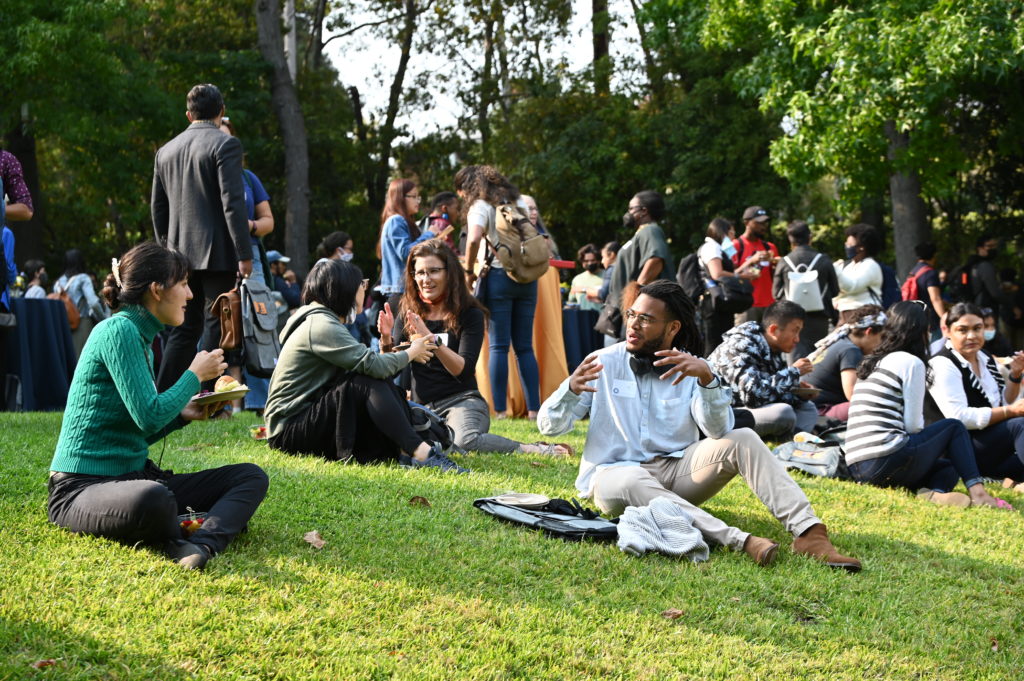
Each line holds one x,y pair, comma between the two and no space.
644,436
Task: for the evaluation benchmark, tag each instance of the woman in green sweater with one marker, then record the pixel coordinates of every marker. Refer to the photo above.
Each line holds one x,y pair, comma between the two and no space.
330,395
101,480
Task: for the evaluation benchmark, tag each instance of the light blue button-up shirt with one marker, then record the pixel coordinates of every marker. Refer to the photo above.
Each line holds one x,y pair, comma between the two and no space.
635,418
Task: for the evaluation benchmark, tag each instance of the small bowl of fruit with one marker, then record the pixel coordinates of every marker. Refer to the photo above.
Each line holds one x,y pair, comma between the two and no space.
191,521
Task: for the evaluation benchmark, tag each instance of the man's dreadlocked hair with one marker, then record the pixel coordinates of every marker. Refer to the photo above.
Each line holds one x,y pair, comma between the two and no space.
678,305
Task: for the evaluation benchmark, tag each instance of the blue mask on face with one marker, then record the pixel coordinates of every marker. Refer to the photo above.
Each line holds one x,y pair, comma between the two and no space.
345,257
728,247
989,334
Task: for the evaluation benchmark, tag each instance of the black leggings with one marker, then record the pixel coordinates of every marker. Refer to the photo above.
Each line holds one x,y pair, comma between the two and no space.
143,506
361,418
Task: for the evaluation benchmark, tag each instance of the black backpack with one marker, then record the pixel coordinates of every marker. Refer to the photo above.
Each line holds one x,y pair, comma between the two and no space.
690,277
959,287
557,518
431,427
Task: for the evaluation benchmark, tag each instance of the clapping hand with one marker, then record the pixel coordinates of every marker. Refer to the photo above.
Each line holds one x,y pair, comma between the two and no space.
385,321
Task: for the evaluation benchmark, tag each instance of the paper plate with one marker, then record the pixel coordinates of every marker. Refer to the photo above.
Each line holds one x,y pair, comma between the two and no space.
806,393
225,396
522,499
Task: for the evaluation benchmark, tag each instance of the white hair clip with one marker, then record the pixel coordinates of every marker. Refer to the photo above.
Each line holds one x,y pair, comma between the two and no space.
115,268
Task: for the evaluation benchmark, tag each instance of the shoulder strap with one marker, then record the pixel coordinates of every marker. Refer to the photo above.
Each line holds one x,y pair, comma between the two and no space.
814,262
790,263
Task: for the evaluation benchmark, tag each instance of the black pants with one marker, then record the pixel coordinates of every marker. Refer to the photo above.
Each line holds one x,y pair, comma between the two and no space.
183,340
143,506
715,324
361,418
999,449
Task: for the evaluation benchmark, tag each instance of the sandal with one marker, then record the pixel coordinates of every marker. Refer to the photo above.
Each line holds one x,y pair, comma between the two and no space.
549,448
1004,504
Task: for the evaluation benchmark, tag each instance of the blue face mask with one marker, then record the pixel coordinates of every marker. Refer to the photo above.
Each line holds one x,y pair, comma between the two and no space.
851,251
728,247
345,257
989,334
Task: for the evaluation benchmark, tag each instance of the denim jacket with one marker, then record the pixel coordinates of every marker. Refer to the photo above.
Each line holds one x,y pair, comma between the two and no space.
395,244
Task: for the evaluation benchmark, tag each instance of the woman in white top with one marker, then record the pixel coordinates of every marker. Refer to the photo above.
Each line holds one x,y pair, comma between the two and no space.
968,386
887,443
715,258
512,305
859,276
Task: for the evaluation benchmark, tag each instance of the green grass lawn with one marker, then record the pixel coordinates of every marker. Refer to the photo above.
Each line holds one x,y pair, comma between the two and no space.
444,592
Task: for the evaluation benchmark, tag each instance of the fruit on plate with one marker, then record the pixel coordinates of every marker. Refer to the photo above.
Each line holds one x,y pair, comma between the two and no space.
225,384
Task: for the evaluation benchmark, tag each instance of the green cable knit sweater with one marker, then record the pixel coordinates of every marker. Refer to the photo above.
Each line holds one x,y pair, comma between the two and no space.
114,411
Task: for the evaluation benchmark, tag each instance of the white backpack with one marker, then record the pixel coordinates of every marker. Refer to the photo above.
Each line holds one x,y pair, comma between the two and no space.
802,285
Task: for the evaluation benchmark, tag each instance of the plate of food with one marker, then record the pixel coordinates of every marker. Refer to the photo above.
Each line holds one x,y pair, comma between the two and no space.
225,390
805,393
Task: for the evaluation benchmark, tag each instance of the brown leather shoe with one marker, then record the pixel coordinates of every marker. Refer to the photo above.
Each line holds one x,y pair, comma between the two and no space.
815,543
761,550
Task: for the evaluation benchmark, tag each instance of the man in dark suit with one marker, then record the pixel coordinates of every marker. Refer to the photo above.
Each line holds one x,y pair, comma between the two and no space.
199,209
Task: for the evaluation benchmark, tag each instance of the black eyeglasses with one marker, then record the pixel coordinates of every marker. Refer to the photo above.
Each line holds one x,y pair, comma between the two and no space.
642,320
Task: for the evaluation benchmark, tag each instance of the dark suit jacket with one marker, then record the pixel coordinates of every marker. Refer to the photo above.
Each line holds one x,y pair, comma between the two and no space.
827,281
198,203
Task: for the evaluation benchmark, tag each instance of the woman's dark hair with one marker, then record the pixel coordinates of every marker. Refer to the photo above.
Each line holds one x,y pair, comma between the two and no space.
959,310
394,204
331,243
588,248
860,313
486,183
74,262
866,236
925,250
32,268
334,284
613,247
906,330
652,201
458,298
718,229
145,264
679,306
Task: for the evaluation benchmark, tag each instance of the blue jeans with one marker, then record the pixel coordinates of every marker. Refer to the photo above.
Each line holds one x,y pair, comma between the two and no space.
933,458
512,306
999,449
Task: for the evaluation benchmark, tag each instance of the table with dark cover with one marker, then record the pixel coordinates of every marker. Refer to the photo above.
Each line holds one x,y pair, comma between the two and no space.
41,353
580,337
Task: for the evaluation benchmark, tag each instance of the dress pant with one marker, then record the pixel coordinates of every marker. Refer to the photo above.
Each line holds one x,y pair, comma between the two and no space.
143,506
183,341
704,469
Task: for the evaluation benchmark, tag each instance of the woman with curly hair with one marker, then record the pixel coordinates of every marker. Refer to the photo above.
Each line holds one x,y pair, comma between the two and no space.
512,305
437,305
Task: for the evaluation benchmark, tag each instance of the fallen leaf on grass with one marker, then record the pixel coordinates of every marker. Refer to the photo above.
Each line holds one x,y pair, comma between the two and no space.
314,539
735,598
419,501
42,664
672,614
538,464
995,646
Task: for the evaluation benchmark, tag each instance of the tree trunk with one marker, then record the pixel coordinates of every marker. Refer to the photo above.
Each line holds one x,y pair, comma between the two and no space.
910,225
387,131
28,236
602,61
653,73
483,124
293,135
315,49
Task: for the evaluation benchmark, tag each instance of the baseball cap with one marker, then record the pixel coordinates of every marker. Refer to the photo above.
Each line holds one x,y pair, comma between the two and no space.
275,256
756,213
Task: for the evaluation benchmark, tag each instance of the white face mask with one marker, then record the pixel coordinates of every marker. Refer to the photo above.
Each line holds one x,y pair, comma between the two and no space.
990,334
728,247
345,256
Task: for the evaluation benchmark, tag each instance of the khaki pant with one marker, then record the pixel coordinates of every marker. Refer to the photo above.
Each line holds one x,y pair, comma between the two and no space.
705,469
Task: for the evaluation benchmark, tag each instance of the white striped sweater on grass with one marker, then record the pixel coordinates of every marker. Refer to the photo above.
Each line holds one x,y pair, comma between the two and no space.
886,408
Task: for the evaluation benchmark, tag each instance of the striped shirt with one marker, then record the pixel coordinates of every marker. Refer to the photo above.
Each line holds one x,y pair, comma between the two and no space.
886,408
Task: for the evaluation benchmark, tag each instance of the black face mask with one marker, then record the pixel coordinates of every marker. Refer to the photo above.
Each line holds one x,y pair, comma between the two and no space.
628,221
593,267
44,278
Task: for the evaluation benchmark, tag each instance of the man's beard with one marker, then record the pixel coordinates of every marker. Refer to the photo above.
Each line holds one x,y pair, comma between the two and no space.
650,347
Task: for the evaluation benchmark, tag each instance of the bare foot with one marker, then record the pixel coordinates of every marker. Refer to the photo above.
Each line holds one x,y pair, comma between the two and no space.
979,497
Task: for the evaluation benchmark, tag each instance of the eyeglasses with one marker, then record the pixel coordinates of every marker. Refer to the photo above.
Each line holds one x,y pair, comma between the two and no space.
642,320
430,272
414,197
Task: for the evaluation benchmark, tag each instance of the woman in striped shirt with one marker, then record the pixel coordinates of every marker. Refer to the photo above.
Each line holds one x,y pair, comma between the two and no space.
887,443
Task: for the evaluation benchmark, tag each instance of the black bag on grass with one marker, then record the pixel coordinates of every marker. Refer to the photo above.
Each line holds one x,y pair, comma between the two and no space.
557,518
